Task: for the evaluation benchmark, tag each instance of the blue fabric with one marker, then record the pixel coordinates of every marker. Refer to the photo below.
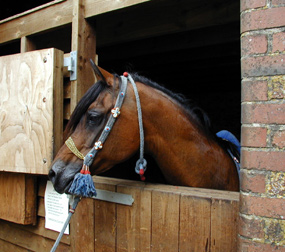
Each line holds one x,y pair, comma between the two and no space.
83,186
224,134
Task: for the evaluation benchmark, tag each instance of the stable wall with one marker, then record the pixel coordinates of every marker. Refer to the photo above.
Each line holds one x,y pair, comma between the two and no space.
262,208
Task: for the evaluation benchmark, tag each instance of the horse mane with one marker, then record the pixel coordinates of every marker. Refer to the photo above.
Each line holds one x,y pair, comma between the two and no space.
193,111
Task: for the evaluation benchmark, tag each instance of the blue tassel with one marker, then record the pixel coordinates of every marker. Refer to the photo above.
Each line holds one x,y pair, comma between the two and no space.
83,185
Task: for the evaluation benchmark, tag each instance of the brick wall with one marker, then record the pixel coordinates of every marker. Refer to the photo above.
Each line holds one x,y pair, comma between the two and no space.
262,205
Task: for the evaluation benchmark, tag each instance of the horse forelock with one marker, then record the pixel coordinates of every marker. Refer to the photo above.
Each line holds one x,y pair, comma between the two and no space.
88,98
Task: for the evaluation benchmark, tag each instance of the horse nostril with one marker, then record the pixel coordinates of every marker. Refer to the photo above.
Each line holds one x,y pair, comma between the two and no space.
51,174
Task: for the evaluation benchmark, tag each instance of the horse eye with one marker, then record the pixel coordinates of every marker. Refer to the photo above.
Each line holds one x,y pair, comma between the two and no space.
94,118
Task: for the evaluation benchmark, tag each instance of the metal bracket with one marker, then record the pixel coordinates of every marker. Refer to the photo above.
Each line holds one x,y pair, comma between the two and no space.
120,198
71,64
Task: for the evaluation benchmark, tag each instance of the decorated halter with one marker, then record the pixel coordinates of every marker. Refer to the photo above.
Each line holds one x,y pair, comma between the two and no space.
115,112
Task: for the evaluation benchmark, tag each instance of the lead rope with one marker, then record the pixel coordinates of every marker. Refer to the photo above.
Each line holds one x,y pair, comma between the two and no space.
141,163
73,203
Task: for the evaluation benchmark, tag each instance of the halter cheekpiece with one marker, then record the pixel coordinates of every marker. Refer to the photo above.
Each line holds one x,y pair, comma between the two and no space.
115,112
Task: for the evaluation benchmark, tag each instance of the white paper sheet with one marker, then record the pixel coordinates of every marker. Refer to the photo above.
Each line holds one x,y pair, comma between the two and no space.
56,209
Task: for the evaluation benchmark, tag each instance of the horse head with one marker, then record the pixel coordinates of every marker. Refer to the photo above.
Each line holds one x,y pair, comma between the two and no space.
86,125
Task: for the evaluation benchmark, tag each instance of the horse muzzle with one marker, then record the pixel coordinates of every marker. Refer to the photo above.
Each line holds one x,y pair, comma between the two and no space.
61,175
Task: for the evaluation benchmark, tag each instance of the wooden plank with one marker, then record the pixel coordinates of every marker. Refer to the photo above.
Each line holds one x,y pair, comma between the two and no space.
82,226
198,220
165,221
57,101
224,224
195,224
57,15
95,7
13,234
8,247
31,10
134,222
40,230
18,198
105,222
30,82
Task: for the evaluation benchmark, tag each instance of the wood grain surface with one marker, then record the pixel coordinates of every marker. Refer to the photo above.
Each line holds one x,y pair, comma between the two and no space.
26,110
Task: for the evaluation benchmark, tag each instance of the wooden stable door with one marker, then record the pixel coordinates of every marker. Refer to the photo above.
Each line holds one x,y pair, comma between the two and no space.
31,118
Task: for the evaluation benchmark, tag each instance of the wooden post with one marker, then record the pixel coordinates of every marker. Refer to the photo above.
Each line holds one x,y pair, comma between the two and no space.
83,41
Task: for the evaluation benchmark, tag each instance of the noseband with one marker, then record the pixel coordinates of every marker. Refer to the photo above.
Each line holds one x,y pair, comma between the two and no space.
115,112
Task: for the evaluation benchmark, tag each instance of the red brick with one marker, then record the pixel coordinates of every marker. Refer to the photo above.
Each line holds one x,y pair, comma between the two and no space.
253,44
263,160
263,65
263,113
252,181
278,2
251,227
262,19
279,139
278,44
259,206
245,245
253,136
254,91
252,4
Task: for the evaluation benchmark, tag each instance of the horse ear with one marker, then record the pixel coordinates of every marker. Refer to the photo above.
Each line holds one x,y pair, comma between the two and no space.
102,74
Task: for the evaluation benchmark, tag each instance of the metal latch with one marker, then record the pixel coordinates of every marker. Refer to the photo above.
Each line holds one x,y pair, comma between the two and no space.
71,64
119,198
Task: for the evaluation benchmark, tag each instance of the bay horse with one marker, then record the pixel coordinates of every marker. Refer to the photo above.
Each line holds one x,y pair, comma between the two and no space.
177,134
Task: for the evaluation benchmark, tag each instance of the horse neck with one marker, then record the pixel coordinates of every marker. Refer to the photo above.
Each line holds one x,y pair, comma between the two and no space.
185,155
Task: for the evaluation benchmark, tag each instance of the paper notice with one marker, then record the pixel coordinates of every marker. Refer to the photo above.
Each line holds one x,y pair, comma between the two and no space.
56,209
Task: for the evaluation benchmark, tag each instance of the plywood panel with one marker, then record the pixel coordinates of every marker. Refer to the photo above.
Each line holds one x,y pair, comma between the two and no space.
29,84
134,222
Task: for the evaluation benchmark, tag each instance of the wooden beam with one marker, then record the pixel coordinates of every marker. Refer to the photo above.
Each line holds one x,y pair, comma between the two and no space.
96,7
84,42
157,18
27,45
45,19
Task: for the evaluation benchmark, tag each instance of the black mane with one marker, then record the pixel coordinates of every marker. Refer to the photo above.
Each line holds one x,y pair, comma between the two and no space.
192,110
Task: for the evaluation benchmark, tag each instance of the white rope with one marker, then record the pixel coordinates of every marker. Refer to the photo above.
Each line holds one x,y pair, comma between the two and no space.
141,163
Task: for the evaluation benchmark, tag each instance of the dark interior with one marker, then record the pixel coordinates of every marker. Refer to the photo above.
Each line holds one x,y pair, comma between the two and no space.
191,47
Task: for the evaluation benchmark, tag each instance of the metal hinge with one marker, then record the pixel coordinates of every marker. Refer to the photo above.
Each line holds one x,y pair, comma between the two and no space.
71,64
